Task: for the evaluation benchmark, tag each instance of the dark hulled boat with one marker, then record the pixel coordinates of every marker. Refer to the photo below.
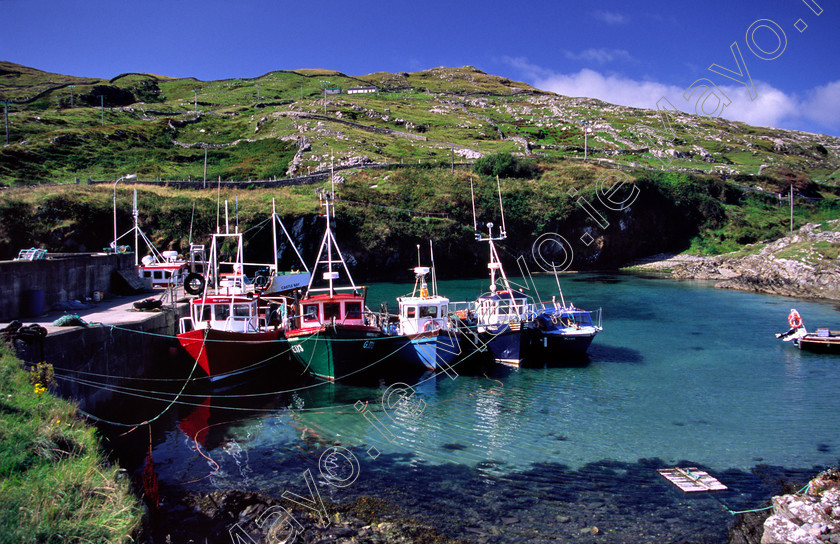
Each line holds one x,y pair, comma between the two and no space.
332,335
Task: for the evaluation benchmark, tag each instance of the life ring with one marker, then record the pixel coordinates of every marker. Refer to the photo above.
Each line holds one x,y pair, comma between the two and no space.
794,319
430,325
194,283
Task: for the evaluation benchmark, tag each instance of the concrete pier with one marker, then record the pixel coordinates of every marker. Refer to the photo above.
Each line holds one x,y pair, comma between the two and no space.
58,278
118,344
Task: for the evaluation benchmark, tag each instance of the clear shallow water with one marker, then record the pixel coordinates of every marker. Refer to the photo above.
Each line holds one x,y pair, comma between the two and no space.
682,374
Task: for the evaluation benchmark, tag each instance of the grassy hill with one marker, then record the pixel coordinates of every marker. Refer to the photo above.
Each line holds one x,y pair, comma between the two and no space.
275,125
709,187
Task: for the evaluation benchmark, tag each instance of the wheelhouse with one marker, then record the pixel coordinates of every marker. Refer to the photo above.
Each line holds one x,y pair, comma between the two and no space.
344,309
419,315
502,307
232,314
162,274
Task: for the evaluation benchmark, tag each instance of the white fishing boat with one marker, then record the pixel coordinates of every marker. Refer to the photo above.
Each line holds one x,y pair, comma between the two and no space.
157,269
502,317
424,323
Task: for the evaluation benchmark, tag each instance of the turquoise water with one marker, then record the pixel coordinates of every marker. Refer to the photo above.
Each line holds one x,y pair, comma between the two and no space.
683,374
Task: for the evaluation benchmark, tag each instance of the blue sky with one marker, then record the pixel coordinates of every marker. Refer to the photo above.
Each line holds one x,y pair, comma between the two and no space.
630,53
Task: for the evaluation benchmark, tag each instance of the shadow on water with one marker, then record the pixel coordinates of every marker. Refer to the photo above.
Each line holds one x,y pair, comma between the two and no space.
627,502
604,353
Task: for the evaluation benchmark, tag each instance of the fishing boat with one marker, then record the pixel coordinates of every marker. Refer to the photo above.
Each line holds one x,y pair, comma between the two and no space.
332,334
823,340
273,281
157,269
424,323
502,317
562,333
230,328
563,330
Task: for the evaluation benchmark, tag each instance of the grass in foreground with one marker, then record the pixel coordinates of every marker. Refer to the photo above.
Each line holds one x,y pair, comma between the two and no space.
55,484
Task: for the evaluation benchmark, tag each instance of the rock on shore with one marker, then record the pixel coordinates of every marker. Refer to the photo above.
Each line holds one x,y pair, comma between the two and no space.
804,264
810,518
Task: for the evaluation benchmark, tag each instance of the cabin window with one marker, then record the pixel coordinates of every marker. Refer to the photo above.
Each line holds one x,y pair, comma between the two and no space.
429,311
221,312
310,312
411,312
158,275
167,274
583,319
205,315
353,310
332,310
147,274
241,310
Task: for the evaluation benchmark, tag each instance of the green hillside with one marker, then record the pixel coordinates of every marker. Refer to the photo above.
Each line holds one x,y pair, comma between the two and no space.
275,125
708,187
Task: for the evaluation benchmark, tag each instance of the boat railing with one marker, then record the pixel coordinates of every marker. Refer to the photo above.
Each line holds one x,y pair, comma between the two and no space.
185,324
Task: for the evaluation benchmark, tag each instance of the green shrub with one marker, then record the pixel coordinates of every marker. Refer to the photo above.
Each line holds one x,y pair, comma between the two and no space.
505,165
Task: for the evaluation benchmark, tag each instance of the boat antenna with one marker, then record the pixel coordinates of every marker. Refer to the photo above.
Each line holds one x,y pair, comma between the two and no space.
218,203
274,233
475,221
192,218
332,185
434,276
227,222
236,210
560,289
501,207
136,227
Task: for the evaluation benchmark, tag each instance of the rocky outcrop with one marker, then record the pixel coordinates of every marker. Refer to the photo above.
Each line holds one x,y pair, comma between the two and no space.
810,518
804,264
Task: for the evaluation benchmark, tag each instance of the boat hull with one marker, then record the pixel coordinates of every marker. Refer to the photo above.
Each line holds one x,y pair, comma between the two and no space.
818,344
553,346
431,351
334,352
223,354
506,343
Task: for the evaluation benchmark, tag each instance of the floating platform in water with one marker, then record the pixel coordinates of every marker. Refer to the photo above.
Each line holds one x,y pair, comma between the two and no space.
691,479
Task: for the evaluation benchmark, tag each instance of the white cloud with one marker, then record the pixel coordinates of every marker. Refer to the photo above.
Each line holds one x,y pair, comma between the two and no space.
609,17
822,105
819,111
599,56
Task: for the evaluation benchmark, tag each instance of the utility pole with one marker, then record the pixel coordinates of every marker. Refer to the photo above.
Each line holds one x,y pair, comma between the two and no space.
791,208
325,84
585,132
102,106
71,95
195,91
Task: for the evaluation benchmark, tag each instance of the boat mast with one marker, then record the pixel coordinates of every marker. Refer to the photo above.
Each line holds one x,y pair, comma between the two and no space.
495,263
274,234
329,242
136,229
